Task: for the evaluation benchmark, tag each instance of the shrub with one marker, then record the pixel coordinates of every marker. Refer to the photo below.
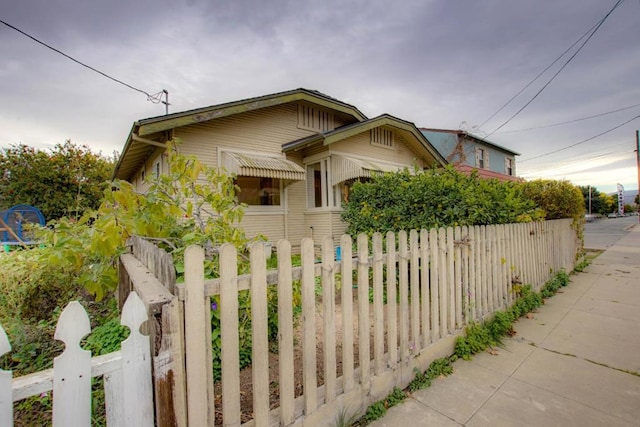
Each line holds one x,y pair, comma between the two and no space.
558,199
434,198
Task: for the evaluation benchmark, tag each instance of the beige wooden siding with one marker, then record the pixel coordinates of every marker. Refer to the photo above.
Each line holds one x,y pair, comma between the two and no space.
338,227
296,204
270,226
320,220
257,131
141,185
326,224
360,146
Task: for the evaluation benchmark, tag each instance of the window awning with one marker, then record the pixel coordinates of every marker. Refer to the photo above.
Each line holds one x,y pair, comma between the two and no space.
344,168
262,166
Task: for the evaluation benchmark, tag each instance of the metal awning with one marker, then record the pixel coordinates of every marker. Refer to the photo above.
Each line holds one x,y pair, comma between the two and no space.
262,166
344,168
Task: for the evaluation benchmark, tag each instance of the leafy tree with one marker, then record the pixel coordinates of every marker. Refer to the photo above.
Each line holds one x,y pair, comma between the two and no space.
601,203
192,204
67,181
610,203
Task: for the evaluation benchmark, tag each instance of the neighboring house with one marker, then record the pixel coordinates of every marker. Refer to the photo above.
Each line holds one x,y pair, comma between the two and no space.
295,155
467,152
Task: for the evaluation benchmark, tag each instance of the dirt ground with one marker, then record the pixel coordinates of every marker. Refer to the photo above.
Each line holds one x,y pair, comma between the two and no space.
246,390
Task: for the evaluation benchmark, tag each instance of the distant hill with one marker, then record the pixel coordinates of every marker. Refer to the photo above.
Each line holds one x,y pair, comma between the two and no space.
629,196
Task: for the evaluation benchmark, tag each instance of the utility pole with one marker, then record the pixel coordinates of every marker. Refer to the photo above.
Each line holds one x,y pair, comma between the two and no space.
638,163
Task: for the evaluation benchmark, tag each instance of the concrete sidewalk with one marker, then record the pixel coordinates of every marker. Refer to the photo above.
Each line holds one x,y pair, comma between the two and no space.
576,362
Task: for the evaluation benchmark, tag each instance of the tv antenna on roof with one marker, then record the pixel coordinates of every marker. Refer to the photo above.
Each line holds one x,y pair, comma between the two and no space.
156,98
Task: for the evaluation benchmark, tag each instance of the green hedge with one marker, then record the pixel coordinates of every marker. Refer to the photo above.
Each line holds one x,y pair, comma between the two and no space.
445,197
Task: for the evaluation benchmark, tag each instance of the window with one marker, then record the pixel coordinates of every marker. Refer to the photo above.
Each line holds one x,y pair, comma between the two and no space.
382,137
143,174
156,171
258,191
508,166
313,118
482,158
320,193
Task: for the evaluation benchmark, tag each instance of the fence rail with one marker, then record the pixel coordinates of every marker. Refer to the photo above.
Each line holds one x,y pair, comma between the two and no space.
126,373
415,292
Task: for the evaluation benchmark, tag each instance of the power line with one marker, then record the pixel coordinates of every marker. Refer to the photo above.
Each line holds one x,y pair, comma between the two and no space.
561,68
581,142
570,121
615,155
538,76
155,98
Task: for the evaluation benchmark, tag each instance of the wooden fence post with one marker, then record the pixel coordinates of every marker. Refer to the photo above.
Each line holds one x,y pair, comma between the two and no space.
443,277
260,344
403,292
414,280
329,318
285,332
458,274
309,378
392,306
363,311
72,370
434,280
347,312
424,288
169,368
136,366
195,336
378,308
229,337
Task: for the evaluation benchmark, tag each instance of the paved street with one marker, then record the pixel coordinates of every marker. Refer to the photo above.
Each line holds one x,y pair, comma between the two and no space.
603,233
575,362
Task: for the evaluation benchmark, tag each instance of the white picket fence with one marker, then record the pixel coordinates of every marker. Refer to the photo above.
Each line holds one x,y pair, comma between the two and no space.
126,373
436,282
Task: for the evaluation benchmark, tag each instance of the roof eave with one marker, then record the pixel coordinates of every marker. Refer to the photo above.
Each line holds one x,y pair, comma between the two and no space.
171,121
127,145
357,128
470,135
491,144
302,143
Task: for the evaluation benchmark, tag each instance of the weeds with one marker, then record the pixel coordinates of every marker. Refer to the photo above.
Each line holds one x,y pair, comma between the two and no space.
482,335
344,420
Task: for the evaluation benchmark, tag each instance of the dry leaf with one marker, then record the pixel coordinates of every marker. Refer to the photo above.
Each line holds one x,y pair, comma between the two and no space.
529,315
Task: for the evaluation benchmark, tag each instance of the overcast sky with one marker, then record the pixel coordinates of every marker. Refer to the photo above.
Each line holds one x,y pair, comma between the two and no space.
439,64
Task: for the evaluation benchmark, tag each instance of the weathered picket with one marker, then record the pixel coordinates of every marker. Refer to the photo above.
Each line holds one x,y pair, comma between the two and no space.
127,374
436,282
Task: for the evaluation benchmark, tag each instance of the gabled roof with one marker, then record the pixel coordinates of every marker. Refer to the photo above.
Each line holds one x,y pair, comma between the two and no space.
137,149
198,115
341,133
469,135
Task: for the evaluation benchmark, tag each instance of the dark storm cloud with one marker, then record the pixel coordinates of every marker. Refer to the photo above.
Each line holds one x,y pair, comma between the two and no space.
436,63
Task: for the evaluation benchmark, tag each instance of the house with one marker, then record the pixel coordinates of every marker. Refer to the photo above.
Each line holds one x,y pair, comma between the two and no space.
468,152
295,155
